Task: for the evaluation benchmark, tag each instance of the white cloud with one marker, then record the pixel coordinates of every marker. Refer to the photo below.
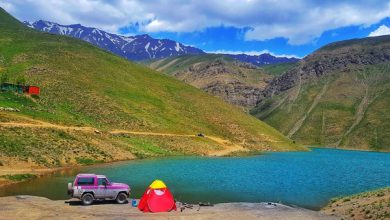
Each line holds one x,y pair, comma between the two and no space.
253,53
299,21
382,30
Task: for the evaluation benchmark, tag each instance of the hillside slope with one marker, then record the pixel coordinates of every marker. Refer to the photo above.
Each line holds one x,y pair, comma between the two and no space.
235,82
337,96
82,85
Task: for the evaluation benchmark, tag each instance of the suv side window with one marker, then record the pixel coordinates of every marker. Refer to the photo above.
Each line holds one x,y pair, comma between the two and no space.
83,181
102,182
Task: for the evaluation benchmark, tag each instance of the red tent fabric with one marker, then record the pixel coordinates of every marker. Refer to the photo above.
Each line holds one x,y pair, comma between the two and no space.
157,200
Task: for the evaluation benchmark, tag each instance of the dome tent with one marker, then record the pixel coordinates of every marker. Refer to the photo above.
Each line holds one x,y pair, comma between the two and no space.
157,198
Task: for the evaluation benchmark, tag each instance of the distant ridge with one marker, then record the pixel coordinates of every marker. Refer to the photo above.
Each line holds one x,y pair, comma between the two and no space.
142,47
139,47
262,59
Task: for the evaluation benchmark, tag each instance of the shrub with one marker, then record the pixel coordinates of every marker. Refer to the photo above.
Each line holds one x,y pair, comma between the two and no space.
20,177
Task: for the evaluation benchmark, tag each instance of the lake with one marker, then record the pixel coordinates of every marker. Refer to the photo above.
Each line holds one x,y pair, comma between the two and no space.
305,179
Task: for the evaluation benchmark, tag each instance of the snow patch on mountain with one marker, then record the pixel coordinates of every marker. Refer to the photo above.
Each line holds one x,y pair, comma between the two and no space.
136,48
142,47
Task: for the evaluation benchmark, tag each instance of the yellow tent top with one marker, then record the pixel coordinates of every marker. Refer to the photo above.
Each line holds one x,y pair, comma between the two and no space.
158,184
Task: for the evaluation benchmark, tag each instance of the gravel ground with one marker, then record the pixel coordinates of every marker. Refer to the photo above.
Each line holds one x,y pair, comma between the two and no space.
31,207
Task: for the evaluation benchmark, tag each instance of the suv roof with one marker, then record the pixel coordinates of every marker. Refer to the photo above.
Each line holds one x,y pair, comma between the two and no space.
86,175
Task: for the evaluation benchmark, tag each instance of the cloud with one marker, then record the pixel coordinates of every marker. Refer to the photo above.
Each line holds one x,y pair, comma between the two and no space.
298,21
253,53
382,30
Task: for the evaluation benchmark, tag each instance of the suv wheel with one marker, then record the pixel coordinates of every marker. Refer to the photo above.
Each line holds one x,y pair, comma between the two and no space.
87,199
121,198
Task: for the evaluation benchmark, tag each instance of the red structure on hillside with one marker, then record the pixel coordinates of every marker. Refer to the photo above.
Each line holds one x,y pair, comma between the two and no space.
32,90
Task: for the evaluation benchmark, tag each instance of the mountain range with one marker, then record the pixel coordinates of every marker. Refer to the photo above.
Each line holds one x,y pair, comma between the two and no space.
142,47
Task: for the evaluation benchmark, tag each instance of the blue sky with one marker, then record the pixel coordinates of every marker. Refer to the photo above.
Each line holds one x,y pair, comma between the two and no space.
283,27
223,39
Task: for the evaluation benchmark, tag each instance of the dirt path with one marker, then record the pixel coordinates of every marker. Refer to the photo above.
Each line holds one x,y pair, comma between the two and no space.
299,88
228,146
46,125
299,123
29,207
274,107
167,65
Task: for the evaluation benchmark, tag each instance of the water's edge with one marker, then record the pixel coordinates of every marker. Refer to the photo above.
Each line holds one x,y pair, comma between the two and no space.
303,179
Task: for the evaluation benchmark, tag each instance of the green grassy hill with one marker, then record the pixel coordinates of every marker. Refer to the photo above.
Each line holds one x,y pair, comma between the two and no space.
338,96
82,85
277,69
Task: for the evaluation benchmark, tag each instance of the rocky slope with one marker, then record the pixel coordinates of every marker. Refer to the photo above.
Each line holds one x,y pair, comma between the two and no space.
336,96
335,57
235,82
368,205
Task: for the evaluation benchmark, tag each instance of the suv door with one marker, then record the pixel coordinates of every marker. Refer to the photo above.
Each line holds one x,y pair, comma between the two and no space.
102,188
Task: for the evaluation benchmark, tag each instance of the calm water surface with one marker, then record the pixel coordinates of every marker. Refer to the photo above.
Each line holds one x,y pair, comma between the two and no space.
306,179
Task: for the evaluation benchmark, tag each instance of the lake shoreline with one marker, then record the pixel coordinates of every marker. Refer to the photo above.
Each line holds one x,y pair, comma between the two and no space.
348,149
45,175
26,168
43,208
45,171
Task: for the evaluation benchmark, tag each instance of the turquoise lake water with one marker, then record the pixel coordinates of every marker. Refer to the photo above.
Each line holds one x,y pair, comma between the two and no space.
306,179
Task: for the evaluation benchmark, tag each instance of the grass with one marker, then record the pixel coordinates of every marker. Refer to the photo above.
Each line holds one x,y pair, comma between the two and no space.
19,177
82,85
87,161
278,69
156,146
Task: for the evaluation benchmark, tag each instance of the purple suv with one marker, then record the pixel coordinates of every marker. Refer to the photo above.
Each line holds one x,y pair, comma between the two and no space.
90,187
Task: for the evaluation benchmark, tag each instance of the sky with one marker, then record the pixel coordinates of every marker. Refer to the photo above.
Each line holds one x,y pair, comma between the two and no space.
280,27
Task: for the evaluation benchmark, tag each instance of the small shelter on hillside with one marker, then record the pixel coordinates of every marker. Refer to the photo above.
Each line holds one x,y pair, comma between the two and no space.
9,87
157,198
